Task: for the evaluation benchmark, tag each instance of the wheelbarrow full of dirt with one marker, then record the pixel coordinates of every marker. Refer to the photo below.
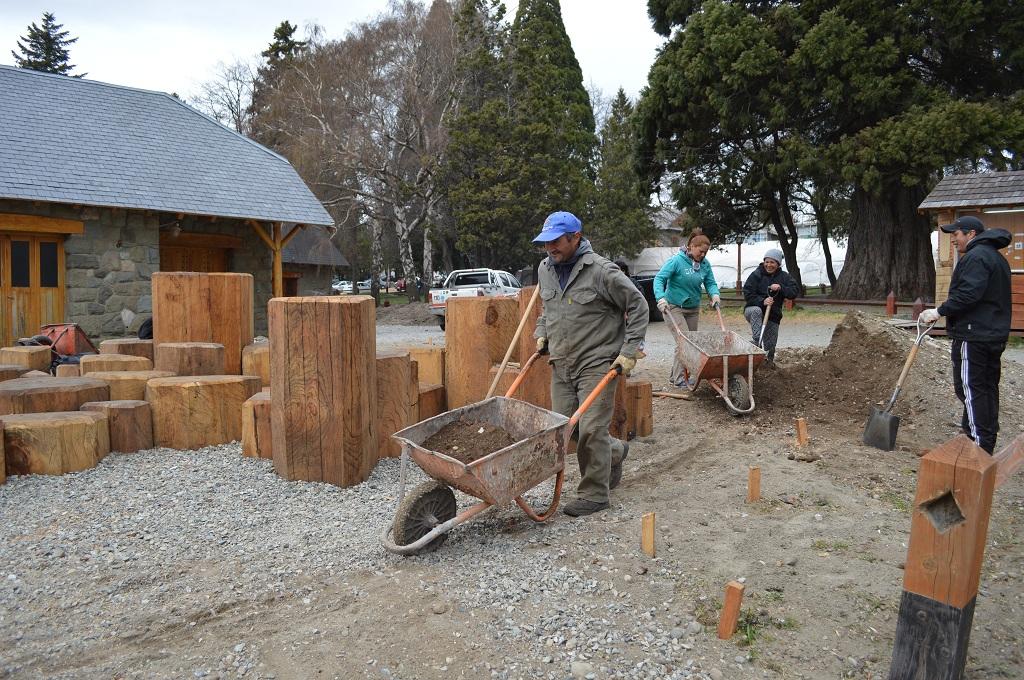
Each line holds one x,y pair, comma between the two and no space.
539,438
724,360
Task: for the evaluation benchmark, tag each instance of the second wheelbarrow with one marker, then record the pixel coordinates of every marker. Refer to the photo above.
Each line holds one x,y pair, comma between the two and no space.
427,513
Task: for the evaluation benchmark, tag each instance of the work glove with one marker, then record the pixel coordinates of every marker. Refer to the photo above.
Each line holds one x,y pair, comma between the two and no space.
542,345
663,306
627,363
929,316
715,300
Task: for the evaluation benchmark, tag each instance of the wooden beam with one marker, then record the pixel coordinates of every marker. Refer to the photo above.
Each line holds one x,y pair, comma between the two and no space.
190,239
1009,460
262,233
754,485
40,225
278,277
291,234
801,432
647,533
730,610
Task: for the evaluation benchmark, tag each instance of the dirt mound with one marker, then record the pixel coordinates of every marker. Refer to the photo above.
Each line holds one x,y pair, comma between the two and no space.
858,370
406,314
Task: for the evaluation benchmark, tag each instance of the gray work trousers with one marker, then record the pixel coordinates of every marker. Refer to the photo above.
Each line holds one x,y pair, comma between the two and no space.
596,450
754,316
691,316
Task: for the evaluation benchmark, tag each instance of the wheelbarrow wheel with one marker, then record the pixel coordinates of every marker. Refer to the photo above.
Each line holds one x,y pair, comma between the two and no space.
429,504
739,394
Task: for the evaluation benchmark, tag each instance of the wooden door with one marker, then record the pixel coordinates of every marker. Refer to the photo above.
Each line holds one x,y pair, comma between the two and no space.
31,283
193,259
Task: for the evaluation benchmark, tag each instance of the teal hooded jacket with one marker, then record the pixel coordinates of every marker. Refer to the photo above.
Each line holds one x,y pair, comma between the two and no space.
679,283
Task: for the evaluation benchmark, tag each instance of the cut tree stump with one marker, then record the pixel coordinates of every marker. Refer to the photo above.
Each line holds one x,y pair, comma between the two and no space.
323,377
432,401
36,358
48,395
54,443
190,358
135,347
256,361
113,362
128,385
397,398
129,422
12,371
430,362
190,412
257,436
68,371
201,307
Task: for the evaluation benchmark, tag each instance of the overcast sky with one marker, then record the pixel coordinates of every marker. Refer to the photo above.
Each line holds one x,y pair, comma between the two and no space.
174,46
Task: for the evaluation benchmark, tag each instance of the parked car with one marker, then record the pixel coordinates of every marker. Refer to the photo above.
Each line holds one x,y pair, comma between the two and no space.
472,283
342,286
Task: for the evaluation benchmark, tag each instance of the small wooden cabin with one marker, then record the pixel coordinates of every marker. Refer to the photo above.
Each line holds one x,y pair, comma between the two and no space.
997,199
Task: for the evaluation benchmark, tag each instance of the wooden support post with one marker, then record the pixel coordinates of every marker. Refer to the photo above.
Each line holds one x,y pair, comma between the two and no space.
473,325
917,309
256,361
801,432
129,423
278,278
639,408
432,401
257,436
507,378
890,304
753,484
647,533
730,610
943,567
397,400
536,388
323,376
430,361
619,425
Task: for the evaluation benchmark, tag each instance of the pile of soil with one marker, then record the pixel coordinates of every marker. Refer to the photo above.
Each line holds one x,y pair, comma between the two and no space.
469,440
406,314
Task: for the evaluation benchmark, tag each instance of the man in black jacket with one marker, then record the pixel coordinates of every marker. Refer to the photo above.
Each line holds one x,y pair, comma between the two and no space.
763,293
977,313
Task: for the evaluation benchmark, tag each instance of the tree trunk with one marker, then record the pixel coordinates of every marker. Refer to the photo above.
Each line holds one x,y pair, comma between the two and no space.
827,252
428,259
377,251
782,220
889,248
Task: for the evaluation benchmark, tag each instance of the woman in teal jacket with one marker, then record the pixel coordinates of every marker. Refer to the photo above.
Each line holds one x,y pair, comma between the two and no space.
677,289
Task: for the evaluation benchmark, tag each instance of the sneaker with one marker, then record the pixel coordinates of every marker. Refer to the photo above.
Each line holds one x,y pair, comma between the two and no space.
581,507
616,475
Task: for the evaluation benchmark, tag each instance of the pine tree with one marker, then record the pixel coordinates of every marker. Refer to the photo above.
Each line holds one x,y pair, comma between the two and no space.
45,48
621,224
279,54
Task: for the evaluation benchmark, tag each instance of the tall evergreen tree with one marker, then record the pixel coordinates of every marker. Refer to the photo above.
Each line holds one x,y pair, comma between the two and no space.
621,223
553,134
45,48
279,54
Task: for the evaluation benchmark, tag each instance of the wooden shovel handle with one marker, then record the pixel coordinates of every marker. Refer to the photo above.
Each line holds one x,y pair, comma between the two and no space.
515,340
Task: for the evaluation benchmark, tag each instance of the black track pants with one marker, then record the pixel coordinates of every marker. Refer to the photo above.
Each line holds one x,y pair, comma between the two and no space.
976,369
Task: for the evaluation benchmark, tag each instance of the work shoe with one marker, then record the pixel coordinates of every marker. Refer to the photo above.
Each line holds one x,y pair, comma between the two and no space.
582,506
616,476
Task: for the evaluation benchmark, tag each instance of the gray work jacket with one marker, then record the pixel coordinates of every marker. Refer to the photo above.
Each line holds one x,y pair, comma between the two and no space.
598,316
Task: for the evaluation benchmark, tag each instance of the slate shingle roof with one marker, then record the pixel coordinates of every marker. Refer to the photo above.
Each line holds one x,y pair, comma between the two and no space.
981,189
70,140
312,246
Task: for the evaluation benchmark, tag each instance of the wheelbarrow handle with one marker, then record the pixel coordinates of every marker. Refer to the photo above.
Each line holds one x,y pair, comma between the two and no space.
594,394
522,373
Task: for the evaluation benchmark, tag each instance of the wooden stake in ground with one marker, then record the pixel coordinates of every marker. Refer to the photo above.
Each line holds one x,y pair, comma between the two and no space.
730,610
647,533
754,484
801,432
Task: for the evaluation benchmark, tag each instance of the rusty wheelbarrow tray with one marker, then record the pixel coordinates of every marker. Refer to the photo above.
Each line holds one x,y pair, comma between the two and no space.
542,437
724,360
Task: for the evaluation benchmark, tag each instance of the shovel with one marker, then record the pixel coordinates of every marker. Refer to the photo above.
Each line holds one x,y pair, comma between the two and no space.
880,430
764,322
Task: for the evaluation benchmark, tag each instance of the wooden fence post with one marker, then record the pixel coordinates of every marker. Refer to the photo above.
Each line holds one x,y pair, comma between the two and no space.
890,304
943,567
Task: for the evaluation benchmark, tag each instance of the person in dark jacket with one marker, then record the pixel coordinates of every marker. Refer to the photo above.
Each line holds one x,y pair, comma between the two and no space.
763,293
977,312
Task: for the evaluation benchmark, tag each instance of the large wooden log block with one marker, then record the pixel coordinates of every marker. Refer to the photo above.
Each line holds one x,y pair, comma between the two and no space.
256,361
128,385
54,443
34,358
430,362
12,371
257,435
190,358
68,371
199,307
639,408
506,380
397,399
323,377
536,387
105,363
47,395
190,412
129,423
135,347
472,325
432,401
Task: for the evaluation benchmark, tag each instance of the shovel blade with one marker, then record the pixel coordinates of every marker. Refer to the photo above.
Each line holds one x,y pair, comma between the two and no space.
880,430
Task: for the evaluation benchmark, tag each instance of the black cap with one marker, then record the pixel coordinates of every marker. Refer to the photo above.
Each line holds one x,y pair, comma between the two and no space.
964,224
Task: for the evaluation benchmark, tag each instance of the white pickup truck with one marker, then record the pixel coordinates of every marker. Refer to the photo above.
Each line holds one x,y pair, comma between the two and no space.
472,283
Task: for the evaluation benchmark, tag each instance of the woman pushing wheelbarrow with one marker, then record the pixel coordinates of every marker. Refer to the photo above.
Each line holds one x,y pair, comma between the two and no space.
591,326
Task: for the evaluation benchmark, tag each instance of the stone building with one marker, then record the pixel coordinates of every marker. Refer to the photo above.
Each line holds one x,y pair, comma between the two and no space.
101,185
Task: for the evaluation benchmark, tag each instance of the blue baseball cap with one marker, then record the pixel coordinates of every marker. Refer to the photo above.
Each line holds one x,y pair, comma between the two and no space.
556,224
